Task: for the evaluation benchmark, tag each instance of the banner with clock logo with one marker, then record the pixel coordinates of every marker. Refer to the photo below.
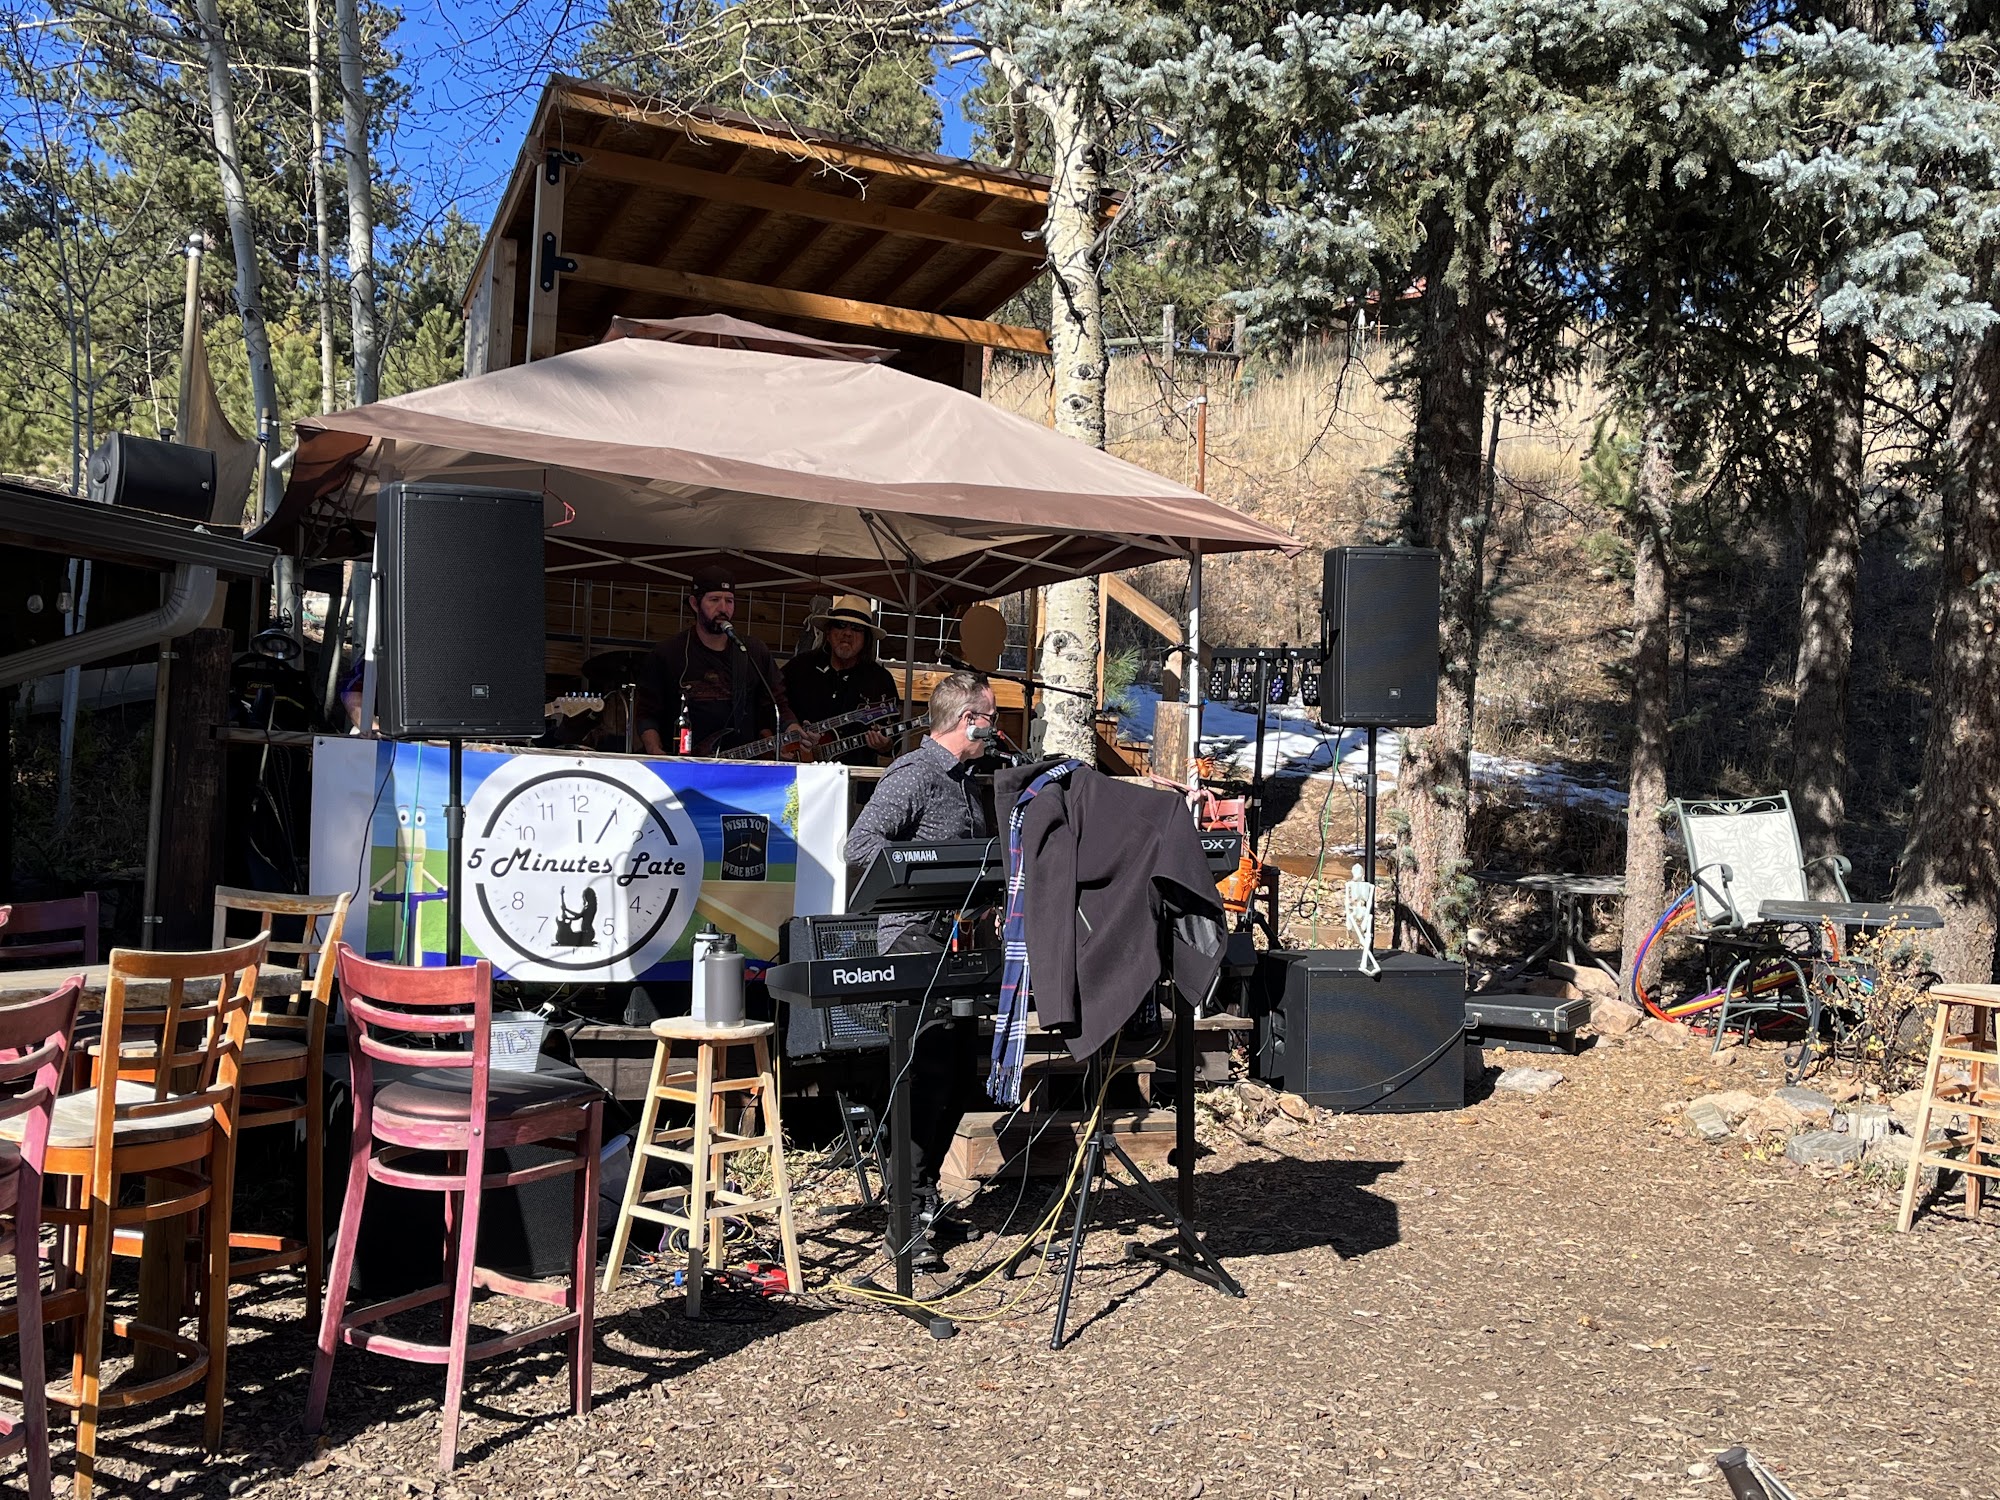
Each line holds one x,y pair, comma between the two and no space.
576,868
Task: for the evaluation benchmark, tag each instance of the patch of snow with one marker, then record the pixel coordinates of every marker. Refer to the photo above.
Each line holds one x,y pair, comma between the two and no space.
1296,744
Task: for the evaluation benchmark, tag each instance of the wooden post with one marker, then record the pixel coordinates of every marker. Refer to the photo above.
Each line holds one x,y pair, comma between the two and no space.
544,247
1101,613
1167,337
506,272
1201,439
191,815
190,868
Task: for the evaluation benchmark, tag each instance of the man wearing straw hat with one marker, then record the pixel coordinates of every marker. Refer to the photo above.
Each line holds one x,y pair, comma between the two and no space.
841,673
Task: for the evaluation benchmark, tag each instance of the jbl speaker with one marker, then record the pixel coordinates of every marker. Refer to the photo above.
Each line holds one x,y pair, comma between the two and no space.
1392,1042
1379,636
169,479
463,617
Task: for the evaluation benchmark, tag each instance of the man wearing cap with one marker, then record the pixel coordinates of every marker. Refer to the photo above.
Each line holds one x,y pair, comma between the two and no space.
842,673
728,683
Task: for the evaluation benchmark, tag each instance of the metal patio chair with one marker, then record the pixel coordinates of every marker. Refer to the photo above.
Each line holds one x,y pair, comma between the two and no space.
1753,904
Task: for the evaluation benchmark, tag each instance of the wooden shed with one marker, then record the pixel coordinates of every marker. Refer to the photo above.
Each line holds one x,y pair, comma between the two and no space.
622,205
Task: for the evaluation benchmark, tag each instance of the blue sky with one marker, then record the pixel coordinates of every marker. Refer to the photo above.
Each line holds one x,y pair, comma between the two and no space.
474,70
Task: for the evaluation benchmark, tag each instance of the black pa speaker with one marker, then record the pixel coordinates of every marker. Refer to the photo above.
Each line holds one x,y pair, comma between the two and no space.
1388,1043
169,479
463,615
1379,636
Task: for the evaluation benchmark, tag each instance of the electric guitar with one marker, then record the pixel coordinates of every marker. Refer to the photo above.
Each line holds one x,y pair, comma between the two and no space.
834,749
569,705
790,747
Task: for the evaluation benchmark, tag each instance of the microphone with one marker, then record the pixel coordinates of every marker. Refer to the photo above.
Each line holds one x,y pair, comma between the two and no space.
729,633
983,732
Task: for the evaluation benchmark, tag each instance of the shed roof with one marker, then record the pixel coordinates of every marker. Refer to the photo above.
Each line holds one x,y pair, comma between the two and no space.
669,210
48,522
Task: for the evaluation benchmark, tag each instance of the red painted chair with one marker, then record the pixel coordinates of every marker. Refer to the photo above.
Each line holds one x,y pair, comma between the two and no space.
26,919
433,1027
33,1040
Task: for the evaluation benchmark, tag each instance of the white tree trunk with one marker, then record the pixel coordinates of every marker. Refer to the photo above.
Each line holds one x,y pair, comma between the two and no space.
1076,341
360,202
242,230
322,214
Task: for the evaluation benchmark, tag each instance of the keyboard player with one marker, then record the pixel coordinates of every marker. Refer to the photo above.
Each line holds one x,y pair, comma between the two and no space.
930,795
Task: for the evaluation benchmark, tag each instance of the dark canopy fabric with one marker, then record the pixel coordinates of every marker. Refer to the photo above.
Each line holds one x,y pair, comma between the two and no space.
660,459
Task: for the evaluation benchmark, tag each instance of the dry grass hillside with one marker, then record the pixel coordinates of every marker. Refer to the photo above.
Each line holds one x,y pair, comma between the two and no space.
1311,445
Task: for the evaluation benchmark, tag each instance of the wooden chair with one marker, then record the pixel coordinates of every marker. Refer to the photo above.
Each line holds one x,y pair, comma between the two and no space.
434,1027
171,1121
25,919
33,1040
287,1046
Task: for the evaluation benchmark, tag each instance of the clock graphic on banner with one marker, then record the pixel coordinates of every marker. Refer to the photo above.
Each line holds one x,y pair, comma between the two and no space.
578,868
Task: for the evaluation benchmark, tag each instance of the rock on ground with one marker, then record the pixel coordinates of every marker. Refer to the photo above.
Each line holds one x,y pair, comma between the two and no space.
1666,1033
1615,1017
1823,1148
1522,1080
1733,1103
1810,1103
1771,1116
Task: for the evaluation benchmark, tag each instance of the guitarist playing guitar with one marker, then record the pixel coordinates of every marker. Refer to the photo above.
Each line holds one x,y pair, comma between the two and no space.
842,673
727,683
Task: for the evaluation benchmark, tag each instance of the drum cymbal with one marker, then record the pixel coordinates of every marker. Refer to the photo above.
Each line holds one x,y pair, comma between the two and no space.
610,670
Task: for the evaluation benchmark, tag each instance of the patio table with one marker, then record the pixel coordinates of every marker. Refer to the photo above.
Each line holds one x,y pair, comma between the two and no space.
1569,906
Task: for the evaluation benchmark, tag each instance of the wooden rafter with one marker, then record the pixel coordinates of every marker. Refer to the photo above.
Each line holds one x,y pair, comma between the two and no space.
809,203
848,154
792,304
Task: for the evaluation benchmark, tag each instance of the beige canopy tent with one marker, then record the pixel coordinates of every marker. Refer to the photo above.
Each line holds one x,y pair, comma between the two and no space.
659,458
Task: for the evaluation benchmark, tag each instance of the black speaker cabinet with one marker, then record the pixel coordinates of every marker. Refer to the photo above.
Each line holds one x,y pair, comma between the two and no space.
169,479
463,618
1390,1043
1379,635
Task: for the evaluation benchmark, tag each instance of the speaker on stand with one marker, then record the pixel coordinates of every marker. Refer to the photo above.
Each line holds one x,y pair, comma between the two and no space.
1378,625
463,630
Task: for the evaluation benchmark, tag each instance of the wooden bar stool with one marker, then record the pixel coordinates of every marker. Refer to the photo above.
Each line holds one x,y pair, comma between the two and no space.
1973,1150
287,1050
431,1029
704,1147
175,1129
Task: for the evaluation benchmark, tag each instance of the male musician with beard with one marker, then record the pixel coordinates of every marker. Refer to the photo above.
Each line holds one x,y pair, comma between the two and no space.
842,674
728,682
929,796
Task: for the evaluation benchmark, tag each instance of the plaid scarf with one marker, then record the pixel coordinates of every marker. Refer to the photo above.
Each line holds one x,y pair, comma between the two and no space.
1010,1030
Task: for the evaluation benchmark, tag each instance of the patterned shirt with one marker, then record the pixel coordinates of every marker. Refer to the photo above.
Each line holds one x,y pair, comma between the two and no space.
928,795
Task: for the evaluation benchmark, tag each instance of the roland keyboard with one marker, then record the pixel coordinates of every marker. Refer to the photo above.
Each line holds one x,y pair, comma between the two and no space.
906,977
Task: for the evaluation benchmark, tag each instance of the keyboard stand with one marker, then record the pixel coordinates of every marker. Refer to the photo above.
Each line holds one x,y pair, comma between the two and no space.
902,1174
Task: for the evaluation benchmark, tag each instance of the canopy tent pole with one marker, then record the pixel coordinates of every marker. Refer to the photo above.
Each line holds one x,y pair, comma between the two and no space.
1191,680
910,644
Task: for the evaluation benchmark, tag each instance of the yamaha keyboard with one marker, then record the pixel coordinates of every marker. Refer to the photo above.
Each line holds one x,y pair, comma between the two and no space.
960,873
946,876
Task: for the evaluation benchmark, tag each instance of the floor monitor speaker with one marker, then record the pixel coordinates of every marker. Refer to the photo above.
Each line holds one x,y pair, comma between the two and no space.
1391,1042
169,479
463,616
1379,636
